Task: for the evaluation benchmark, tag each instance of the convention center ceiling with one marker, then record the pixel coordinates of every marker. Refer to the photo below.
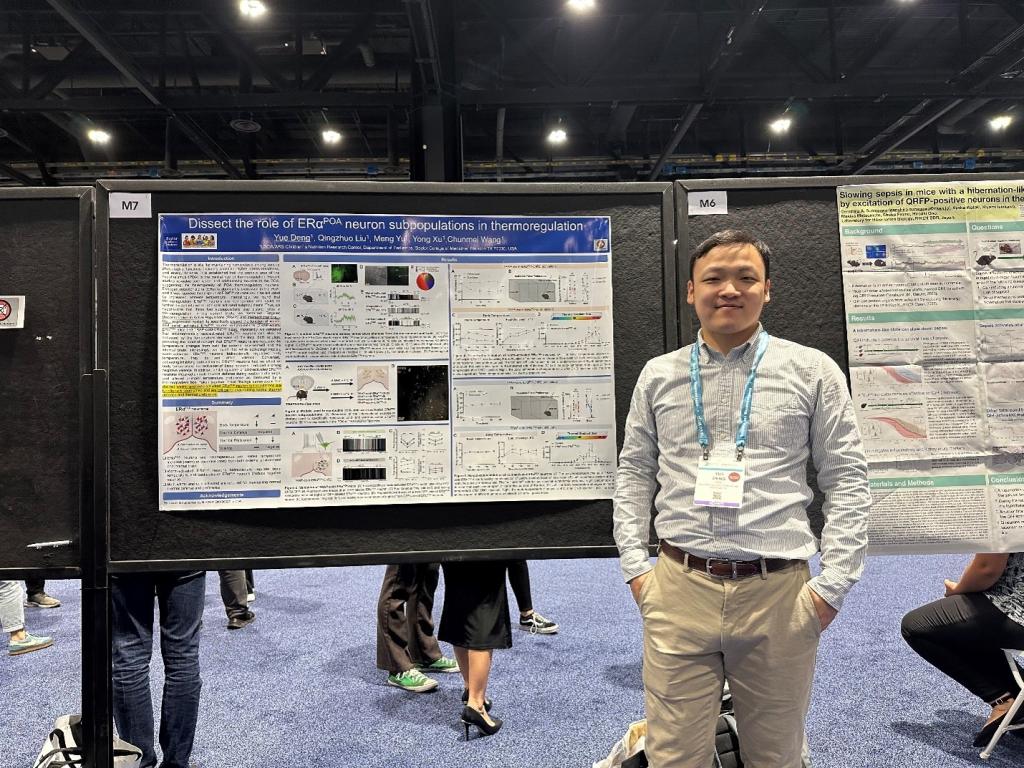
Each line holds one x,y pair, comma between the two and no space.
531,90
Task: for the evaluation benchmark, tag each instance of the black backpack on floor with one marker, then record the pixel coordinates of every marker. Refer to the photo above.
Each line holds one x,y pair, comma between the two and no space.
727,747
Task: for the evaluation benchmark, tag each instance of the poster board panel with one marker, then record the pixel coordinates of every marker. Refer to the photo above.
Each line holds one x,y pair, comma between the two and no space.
799,219
47,254
141,537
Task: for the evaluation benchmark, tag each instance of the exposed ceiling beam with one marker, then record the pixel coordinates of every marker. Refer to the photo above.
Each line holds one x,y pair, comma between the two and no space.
499,140
747,90
17,175
240,48
537,58
618,128
112,52
624,45
425,46
881,39
728,51
61,70
17,140
360,32
247,102
681,128
797,54
1013,9
1008,52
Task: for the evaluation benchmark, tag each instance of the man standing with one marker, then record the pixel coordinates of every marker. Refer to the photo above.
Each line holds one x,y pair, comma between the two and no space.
180,598
718,437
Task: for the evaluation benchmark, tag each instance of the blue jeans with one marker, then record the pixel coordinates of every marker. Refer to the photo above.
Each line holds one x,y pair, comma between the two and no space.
180,597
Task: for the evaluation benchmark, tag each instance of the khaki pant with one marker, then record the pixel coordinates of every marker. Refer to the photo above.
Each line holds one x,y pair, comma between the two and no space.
759,633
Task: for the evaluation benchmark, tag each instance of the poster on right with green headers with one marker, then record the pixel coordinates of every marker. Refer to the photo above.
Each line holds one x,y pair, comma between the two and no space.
933,281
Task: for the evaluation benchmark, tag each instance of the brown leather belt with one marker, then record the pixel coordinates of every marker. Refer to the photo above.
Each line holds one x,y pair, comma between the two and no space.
726,569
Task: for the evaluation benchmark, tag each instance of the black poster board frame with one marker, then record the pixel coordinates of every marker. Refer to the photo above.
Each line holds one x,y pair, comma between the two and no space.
83,311
644,194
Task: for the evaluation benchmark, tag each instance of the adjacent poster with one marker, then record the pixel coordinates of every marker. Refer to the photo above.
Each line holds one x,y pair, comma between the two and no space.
933,278
332,360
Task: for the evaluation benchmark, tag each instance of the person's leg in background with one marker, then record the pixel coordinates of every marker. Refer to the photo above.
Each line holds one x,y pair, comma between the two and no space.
475,666
529,619
250,586
181,617
233,593
419,617
12,621
35,588
963,636
393,628
131,603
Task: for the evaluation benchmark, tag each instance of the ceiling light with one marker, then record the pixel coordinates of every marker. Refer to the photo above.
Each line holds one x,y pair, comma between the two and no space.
96,136
781,125
1000,122
252,8
331,136
582,6
557,136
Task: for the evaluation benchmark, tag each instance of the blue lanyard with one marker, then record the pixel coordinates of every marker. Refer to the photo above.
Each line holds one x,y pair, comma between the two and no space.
697,394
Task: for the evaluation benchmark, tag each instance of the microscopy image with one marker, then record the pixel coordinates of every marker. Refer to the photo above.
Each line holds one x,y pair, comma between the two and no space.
344,273
423,393
381,275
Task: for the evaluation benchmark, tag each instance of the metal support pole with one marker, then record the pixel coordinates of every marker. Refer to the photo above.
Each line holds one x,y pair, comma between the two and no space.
97,701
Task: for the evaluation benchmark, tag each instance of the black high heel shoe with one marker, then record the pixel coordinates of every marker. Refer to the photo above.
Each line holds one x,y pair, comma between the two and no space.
465,700
475,717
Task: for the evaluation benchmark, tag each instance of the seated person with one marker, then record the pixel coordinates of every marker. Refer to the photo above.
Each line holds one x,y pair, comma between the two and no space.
964,633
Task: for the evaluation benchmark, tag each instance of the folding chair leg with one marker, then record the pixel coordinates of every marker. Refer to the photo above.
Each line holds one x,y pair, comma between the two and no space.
1005,725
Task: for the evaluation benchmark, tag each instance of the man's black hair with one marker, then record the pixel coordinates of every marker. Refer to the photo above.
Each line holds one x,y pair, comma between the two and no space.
732,237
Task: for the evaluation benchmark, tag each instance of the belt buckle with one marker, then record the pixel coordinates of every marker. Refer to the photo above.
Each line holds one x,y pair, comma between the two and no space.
711,560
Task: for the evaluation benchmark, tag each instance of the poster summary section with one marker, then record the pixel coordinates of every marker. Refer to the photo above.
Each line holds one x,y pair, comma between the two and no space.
933,278
333,360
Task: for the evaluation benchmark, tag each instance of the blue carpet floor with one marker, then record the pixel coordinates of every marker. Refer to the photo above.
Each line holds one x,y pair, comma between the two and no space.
299,687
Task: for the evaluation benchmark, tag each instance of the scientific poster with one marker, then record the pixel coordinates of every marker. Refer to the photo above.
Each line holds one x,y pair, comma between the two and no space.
333,360
933,277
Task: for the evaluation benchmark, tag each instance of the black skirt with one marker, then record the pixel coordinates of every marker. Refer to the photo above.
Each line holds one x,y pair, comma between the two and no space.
475,613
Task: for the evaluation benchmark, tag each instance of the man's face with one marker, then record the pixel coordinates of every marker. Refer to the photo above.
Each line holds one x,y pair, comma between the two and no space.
729,289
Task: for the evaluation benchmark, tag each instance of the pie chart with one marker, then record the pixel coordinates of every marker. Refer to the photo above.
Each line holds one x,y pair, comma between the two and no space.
425,281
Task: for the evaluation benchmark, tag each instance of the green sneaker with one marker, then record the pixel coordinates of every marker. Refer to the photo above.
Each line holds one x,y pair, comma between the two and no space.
412,680
29,644
444,664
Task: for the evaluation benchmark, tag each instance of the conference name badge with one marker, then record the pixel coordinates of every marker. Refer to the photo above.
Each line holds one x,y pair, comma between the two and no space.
720,481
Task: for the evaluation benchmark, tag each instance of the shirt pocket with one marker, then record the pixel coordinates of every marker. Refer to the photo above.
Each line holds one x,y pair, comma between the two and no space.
778,425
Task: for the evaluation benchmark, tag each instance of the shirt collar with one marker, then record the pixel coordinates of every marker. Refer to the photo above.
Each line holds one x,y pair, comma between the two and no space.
744,350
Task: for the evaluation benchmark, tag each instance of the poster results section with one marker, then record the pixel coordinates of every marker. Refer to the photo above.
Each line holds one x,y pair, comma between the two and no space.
369,359
933,278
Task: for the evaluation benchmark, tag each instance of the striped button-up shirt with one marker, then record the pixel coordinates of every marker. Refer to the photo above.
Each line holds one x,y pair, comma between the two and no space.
801,407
